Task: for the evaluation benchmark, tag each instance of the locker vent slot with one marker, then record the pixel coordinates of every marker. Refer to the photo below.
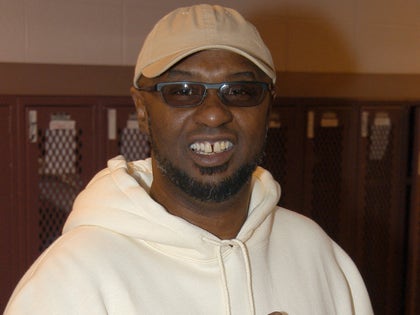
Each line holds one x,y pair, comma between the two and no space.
133,144
377,212
327,178
59,180
275,156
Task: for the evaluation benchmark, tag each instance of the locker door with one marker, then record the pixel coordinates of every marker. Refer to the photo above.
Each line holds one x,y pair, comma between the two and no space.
59,156
8,206
121,132
284,154
330,168
381,205
413,265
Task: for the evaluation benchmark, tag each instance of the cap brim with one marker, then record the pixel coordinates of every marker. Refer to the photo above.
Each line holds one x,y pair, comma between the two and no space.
160,66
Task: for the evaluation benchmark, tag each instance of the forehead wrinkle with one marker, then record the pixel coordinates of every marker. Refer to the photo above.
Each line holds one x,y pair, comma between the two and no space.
214,66
186,75
243,74
178,72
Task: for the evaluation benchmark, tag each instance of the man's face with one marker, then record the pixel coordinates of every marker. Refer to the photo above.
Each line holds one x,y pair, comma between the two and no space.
209,151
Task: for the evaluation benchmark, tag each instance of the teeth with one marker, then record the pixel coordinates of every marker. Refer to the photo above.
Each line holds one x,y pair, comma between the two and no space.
208,148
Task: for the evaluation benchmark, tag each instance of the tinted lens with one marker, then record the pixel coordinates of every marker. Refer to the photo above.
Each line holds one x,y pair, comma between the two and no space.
189,94
182,94
242,93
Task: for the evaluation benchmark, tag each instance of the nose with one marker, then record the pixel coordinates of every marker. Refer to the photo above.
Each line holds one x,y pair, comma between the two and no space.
212,112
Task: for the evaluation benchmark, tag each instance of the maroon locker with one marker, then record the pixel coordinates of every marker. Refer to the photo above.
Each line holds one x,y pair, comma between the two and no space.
120,133
413,262
58,160
381,204
283,153
330,170
9,273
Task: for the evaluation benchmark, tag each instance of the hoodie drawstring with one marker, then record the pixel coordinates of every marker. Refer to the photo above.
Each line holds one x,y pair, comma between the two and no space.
248,273
224,281
245,255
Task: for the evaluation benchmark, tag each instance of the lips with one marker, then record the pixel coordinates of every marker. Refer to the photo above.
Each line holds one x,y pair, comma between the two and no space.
209,148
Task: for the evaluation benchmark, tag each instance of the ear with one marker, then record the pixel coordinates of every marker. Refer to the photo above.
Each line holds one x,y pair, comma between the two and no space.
274,91
142,114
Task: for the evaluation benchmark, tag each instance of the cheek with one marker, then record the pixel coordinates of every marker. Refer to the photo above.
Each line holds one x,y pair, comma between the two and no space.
166,127
254,125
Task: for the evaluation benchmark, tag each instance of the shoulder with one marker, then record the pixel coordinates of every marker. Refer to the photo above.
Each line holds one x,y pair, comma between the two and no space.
300,233
83,244
61,278
74,251
80,256
296,223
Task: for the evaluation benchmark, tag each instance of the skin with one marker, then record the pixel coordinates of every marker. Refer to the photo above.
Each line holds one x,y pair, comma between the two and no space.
174,129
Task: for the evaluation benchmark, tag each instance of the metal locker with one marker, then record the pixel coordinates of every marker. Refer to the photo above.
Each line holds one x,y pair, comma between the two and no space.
330,169
283,153
413,259
58,161
9,273
381,204
121,133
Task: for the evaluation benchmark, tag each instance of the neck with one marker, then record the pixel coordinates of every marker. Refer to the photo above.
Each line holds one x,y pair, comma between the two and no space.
222,219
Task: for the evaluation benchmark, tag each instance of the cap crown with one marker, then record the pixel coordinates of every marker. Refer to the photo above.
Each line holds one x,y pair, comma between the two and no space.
196,28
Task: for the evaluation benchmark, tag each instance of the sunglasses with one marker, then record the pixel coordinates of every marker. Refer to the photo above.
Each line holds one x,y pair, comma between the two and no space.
190,94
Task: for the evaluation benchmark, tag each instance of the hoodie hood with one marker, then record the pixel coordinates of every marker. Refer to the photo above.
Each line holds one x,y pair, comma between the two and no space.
122,253
117,199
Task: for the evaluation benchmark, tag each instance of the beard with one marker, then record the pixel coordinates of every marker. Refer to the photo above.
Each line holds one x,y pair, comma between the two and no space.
207,192
204,191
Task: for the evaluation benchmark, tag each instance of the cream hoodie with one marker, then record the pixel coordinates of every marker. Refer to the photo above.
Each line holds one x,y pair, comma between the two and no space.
122,253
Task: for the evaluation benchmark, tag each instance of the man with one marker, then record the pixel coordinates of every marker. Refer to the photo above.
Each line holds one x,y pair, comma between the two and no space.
195,229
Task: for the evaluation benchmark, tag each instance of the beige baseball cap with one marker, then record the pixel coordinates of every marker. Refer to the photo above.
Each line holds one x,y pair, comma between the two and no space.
200,27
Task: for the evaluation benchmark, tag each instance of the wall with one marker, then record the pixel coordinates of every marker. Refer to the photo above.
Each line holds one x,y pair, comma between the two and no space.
350,36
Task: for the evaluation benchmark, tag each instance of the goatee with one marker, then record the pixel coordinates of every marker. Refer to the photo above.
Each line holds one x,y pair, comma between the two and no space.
208,192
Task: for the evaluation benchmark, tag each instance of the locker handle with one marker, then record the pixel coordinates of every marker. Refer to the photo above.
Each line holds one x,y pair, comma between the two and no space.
418,163
112,124
33,126
364,124
310,125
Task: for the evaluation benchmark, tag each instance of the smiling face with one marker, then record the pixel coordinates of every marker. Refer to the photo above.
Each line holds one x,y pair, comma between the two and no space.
208,151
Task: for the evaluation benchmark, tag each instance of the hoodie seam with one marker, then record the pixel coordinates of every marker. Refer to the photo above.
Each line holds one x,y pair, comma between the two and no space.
226,254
